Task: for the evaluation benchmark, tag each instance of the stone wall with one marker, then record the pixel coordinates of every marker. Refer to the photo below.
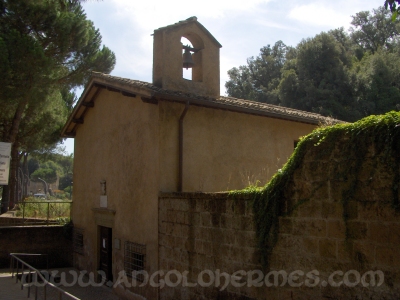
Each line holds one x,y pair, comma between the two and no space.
201,231
336,236
49,240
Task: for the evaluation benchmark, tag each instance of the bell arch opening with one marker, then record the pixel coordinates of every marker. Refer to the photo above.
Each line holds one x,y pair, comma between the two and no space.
196,43
186,72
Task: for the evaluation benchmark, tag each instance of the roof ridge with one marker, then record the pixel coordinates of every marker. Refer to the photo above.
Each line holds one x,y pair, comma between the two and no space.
223,100
189,20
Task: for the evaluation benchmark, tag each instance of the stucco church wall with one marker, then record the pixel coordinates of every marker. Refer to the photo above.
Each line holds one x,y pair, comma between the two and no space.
118,143
223,150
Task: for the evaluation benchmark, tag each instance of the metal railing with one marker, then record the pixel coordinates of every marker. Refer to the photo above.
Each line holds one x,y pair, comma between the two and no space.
47,220
34,276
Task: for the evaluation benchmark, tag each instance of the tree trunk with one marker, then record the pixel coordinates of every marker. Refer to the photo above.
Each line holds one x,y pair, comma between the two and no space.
12,135
13,176
10,192
26,175
4,200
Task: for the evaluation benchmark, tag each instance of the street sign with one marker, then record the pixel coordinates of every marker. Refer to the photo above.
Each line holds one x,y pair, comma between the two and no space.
5,153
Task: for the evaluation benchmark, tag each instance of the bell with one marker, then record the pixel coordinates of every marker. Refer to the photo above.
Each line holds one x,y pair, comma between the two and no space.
187,59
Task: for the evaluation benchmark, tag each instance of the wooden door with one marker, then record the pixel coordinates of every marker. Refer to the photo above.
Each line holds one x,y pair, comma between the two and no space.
106,251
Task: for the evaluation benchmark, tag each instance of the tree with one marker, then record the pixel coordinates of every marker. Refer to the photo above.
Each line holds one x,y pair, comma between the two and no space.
33,165
65,181
373,31
394,6
260,78
46,47
346,75
376,79
324,86
47,174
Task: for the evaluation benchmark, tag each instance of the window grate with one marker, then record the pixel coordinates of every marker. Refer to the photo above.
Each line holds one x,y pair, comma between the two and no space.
77,240
135,260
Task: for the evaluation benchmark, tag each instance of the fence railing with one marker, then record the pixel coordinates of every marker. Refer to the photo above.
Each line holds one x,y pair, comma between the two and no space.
47,220
34,277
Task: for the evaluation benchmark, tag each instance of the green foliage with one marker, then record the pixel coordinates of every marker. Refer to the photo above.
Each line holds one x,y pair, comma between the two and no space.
373,31
376,81
47,174
47,48
50,166
320,71
65,181
69,190
258,80
345,75
48,171
40,128
270,202
33,165
394,6
59,212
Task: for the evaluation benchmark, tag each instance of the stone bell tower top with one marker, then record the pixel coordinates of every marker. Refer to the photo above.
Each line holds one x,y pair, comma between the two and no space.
168,64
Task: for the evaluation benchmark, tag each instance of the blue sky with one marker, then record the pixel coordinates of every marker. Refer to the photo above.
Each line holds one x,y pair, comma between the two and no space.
242,27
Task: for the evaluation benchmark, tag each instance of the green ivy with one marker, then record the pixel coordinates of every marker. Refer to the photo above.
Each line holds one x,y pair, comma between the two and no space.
354,139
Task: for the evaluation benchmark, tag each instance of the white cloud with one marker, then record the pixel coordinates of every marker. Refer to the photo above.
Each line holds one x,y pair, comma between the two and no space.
271,24
318,15
163,12
330,14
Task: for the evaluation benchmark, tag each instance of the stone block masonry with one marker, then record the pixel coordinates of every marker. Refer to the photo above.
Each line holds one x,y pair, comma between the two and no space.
338,235
200,231
211,231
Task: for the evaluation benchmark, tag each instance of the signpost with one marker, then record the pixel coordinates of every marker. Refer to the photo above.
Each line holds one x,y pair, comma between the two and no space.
5,153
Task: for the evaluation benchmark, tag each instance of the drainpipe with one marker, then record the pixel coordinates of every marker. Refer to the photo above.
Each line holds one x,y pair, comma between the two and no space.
180,180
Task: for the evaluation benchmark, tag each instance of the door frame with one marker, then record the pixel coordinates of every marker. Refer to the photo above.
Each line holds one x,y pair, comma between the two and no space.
109,273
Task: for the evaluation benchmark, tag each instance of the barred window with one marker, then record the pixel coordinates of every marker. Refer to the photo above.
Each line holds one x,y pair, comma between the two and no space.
135,260
77,240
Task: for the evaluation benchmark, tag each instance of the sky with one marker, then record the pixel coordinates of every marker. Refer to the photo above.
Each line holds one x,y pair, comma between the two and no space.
243,27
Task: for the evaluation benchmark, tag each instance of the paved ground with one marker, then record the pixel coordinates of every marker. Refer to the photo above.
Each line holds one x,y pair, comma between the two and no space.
10,290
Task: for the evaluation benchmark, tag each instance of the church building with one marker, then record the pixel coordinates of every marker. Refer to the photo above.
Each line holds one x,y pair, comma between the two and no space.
135,139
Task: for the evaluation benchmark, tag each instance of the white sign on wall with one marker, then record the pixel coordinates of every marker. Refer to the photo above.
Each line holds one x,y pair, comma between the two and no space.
5,153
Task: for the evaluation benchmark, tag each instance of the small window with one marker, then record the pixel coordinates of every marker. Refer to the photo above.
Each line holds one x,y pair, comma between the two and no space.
77,240
135,260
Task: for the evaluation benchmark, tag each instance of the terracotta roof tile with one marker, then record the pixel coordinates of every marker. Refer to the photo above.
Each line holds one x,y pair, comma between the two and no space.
180,23
190,20
226,102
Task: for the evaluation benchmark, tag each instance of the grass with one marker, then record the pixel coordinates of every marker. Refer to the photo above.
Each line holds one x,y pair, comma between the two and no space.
59,212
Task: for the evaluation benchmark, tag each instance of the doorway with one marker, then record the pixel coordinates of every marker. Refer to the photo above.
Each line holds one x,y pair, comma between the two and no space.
106,251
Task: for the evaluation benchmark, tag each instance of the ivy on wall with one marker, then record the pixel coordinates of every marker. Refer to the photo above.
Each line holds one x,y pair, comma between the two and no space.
352,142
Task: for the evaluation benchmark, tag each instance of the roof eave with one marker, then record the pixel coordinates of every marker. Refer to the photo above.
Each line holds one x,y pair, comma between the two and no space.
100,83
234,108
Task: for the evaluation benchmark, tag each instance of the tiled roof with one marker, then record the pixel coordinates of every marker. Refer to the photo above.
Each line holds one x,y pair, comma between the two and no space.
222,101
190,20
178,24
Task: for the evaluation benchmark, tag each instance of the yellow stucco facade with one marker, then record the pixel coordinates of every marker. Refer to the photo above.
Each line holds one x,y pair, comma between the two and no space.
223,150
138,139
